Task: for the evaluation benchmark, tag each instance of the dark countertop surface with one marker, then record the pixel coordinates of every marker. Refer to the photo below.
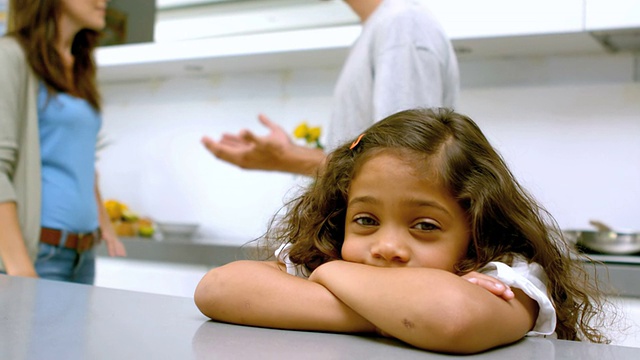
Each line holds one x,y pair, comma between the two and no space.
44,319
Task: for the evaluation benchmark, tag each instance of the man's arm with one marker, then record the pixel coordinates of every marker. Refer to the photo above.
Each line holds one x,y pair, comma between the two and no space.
263,294
428,308
274,152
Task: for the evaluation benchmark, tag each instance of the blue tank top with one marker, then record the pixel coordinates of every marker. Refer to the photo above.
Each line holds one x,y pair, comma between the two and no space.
69,129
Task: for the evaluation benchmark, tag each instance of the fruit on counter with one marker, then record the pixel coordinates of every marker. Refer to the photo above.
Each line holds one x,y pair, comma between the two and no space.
125,229
129,216
145,227
115,209
146,231
126,222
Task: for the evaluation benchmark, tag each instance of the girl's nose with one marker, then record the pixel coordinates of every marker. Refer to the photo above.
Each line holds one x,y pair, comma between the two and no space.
391,248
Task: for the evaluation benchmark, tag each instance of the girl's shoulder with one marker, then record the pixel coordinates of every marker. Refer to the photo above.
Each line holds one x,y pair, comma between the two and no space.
518,267
531,278
282,256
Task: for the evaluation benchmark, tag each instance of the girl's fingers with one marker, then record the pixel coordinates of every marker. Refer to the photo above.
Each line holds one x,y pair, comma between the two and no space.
494,286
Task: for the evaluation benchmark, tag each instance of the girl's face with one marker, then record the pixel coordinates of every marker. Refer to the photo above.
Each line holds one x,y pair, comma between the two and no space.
397,218
85,14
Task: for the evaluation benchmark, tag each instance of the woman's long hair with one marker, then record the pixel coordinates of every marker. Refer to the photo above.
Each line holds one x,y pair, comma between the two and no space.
505,221
34,25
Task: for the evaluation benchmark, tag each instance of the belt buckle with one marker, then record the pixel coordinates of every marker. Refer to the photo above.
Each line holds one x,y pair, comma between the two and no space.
85,242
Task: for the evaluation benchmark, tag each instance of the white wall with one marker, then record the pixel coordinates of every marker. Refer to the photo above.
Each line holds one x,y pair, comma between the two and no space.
568,126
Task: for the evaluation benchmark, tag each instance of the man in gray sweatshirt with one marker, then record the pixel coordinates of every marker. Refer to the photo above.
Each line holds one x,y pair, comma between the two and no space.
401,60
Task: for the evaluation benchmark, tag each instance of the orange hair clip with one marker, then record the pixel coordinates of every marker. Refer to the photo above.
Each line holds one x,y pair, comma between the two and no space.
355,143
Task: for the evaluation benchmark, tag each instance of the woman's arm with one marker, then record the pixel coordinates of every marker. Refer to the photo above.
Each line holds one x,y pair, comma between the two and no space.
428,308
263,294
12,247
114,246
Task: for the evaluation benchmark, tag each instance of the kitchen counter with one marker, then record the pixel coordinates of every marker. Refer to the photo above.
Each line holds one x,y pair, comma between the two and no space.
620,273
43,319
199,251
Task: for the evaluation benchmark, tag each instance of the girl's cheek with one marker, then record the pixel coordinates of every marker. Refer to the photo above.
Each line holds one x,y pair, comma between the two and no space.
347,251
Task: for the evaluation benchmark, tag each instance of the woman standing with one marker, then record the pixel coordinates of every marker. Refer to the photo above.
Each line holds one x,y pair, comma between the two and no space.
51,213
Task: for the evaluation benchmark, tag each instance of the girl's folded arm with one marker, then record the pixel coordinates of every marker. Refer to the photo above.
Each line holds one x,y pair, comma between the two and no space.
263,294
428,308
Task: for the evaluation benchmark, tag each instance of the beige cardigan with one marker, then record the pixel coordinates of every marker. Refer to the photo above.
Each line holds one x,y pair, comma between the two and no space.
20,179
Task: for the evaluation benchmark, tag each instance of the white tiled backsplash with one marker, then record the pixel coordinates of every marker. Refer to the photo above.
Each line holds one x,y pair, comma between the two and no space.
568,126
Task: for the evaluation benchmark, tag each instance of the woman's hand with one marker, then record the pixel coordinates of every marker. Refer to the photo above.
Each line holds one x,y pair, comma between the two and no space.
115,247
491,284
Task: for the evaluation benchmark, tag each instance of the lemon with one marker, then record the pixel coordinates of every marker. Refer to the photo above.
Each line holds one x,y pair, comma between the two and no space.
145,231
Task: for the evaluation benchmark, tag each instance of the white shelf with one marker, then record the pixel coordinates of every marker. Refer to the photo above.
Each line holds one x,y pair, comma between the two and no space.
492,29
258,52
327,47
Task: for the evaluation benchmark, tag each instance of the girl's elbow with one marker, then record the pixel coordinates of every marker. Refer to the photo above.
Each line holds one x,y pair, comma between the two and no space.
205,295
459,333
452,341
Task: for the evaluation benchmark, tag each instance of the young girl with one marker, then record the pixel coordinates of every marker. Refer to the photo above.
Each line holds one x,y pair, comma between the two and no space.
51,212
394,237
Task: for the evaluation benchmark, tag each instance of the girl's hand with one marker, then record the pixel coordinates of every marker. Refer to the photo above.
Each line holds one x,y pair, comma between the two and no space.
491,284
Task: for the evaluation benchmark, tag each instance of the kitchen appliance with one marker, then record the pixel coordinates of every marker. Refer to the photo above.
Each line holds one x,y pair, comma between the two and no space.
604,242
177,231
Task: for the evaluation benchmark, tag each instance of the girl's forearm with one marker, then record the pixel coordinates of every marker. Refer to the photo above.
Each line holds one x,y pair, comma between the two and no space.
428,308
261,294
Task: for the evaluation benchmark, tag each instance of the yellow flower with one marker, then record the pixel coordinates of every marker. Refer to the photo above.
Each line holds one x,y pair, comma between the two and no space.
301,131
310,135
313,134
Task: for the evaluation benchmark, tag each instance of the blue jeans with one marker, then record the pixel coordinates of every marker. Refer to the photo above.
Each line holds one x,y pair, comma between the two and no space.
59,263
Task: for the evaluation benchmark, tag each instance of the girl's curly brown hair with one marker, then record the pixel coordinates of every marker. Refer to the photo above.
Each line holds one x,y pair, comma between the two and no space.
505,220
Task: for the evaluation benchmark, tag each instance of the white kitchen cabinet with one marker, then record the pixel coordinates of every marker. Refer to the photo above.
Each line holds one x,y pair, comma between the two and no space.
176,279
478,29
626,331
464,19
254,52
611,14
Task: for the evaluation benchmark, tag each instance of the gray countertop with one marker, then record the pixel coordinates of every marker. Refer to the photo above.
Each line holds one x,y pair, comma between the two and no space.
43,319
200,252
621,274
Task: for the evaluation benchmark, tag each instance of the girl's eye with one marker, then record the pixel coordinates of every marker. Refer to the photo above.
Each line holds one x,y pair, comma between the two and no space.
426,226
365,221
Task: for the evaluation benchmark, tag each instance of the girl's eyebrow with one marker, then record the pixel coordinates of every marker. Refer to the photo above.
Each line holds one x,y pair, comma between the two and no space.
410,202
427,203
363,200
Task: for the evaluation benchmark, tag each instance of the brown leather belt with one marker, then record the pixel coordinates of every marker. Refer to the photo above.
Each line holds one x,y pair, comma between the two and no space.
78,242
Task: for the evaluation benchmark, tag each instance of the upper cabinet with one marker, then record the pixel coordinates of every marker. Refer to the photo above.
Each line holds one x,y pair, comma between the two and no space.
614,23
253,52
227,36
465,19
612,14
